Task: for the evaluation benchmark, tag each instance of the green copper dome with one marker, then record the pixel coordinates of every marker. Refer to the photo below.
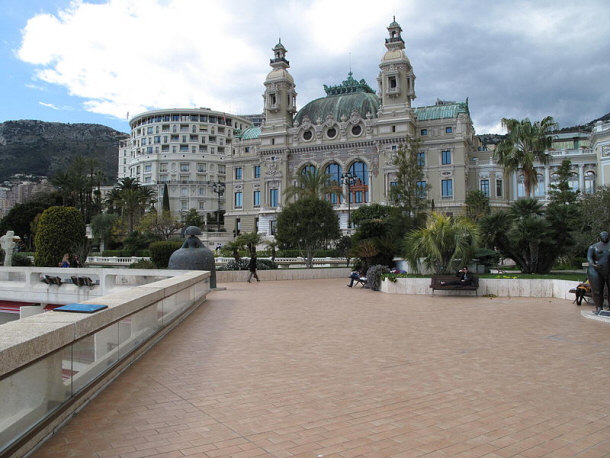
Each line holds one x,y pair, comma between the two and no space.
341,100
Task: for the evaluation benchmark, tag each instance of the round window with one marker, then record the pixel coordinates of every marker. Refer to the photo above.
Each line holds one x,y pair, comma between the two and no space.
307,135
356,130
331,133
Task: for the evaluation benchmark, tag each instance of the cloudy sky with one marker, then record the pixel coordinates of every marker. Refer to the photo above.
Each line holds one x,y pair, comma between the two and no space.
97,60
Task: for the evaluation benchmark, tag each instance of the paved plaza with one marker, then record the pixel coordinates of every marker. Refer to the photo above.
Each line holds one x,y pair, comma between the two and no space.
313,368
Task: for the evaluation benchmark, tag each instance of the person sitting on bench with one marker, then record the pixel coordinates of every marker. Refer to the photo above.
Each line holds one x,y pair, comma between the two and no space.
465,278
358,277
582,290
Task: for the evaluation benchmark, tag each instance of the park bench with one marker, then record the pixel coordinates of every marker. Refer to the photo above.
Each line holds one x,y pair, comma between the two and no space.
436,281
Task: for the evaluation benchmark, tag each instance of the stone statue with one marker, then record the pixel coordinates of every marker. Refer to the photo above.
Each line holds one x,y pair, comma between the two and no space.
194,255
7,243
598,271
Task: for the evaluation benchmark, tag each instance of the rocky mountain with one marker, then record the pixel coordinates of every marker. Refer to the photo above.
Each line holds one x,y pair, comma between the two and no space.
44,148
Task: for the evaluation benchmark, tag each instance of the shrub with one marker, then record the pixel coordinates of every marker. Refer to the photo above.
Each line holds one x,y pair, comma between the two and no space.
242,264
160,252
60,230
373,276
142,264
265,264
21,259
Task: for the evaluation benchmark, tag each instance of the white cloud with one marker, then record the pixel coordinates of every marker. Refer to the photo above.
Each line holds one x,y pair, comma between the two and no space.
55,107
48,105
512,59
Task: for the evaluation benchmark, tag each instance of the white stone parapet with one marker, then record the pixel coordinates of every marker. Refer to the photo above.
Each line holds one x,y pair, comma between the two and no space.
507,287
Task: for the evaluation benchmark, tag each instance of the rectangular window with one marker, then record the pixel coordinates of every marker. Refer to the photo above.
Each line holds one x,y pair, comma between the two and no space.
147,167
201,167
447,189
201,205
421,189
358,196
273,198
238,200
238,173
272,227
499,187
221,169
184,204
158,139
421,159
184,167
448,130
256,198
202,191
446,157
424,132
257,171
485,187
184,191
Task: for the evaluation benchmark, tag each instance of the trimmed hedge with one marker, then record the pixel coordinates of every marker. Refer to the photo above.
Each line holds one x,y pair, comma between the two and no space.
60,230
160,252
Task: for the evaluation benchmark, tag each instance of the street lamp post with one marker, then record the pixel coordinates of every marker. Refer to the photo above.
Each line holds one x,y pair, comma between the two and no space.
349,180
219,188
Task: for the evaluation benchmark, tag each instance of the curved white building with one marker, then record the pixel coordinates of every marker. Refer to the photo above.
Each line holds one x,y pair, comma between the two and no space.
185,148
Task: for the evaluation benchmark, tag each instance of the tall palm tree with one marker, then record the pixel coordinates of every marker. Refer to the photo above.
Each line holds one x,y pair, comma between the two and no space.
131,199
443,243
310,184
525,144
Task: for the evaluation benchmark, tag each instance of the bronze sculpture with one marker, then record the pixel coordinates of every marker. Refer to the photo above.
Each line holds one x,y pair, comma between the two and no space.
598,271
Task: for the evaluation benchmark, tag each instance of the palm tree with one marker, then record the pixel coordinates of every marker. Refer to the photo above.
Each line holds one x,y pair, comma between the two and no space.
443,242
272,245
131,199
310,184
250,240
525,144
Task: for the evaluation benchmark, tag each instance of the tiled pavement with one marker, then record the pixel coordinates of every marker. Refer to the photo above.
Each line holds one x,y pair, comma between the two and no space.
313,368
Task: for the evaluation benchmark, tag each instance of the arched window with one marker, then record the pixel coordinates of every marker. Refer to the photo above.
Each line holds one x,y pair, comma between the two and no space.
520,186
334,179
590,182
540,188
360,189
311,169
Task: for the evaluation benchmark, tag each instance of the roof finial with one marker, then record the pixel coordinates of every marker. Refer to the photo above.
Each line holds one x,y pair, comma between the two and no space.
350,62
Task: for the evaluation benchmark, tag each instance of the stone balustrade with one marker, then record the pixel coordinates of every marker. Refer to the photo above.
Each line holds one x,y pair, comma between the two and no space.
25,283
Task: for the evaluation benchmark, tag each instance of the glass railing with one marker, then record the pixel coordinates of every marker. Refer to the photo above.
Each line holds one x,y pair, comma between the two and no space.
31,395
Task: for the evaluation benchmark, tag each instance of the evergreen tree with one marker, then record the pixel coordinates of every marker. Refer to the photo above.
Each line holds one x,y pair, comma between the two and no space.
410,189
308,225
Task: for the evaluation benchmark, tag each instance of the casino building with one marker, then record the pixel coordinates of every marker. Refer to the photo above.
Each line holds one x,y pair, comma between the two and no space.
354,130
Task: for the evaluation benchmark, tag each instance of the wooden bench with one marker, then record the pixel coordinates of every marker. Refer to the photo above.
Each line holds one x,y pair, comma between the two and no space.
436,281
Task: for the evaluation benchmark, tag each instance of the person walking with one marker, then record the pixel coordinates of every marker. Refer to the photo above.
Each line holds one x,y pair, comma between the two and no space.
252,268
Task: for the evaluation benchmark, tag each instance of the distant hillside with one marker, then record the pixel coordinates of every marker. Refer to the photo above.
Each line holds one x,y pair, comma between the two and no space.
43,148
